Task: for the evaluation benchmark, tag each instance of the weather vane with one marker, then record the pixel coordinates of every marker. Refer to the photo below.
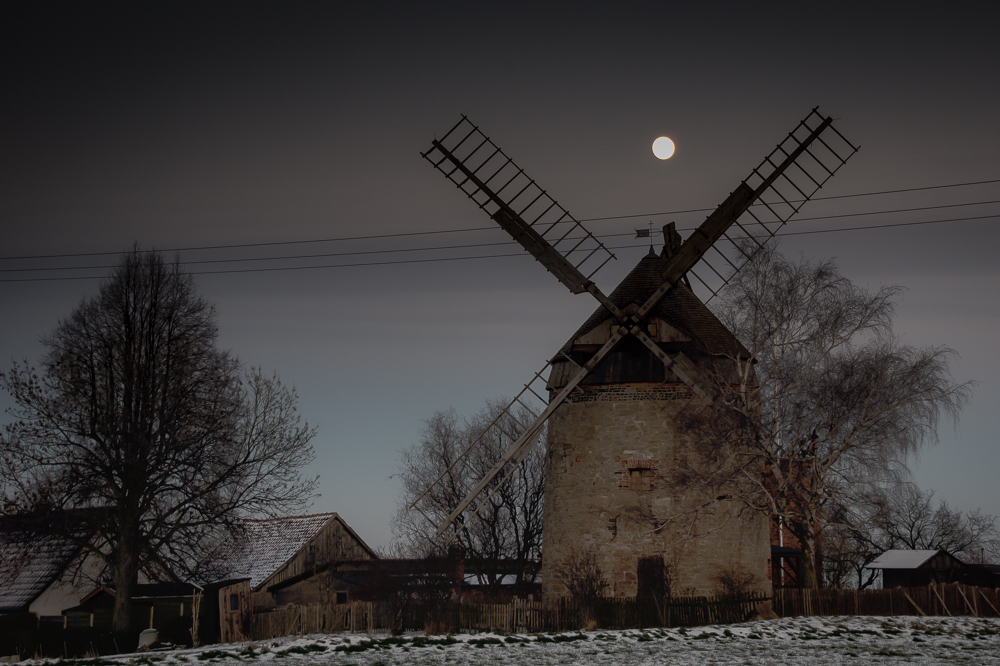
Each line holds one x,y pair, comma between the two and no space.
647,233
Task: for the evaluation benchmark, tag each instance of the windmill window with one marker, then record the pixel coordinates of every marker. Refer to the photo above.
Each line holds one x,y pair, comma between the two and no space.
341,597
640,479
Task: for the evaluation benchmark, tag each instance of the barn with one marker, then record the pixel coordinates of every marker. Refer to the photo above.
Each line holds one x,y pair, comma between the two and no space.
290,560
917,568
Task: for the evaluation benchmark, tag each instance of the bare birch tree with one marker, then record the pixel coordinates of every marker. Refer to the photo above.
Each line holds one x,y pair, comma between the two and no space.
829,399
508,529
138,427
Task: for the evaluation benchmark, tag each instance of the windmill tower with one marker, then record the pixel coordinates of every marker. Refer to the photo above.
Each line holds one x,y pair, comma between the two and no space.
616,396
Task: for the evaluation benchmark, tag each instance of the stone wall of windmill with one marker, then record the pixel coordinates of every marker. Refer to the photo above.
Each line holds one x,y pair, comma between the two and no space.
619,486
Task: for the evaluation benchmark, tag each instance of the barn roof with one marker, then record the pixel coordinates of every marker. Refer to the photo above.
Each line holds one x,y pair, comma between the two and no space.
266,545
29,563
904,559
679,307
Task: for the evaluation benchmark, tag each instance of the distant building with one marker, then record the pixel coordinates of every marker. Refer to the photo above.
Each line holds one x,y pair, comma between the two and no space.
917,568
223,611
291,560
35,574
44,573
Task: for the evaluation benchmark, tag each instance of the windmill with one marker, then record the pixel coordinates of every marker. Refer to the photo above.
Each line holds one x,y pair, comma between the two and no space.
613,394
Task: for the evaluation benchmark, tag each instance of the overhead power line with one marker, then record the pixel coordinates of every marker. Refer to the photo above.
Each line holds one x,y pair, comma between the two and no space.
488,228
268,269
838,196
327,255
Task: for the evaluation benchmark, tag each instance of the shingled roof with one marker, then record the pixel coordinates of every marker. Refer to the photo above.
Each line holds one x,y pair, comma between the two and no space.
267,545
29,563
679,307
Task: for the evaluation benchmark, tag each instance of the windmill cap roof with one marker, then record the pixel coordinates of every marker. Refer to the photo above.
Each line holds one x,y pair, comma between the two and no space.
679,307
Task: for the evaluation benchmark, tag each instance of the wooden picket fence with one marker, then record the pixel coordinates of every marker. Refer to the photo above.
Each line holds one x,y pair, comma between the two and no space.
515,616
617,613
940,599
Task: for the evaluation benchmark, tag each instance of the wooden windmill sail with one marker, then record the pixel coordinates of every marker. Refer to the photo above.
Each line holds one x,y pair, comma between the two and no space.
759,206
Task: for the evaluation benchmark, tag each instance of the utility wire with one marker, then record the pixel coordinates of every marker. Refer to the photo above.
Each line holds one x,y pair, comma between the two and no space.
468,229
837,196
325,255
487,256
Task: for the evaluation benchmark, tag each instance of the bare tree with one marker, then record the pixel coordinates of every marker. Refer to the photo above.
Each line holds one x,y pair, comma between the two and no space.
138,417
581,573
902,516
828,398
735,579
507,530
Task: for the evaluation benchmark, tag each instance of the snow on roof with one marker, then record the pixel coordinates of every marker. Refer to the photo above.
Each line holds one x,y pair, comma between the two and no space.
902,559
472,580
266,545
29,563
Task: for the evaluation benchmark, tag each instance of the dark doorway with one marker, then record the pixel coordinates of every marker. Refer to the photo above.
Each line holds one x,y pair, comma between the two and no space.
652,579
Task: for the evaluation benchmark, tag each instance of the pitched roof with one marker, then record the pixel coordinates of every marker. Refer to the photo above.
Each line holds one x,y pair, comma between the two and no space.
29,563
902,559
266,545
679,307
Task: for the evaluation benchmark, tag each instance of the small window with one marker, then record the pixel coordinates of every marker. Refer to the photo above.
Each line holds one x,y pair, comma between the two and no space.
640,479
234,602
341,597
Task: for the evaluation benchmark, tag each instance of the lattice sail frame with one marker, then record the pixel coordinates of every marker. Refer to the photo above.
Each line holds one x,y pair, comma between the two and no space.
529,400
778,187
779,201
477,166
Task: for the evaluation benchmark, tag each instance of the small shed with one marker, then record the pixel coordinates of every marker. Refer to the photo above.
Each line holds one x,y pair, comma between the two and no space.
289,560
223,609
917,568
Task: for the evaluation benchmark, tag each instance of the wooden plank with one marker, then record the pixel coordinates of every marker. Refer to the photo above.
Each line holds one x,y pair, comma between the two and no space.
967,604
938,594
908,598
987,599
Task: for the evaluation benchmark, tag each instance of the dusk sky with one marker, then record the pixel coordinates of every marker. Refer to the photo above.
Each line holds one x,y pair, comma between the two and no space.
292,125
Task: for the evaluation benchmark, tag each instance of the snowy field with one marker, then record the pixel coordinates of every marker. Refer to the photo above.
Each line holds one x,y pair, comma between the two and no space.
813,641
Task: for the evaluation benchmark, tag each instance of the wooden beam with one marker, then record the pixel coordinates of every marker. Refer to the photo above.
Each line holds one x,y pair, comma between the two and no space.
523,232
519,449
683,367
987,600
967,604
698,243
908,598
938,595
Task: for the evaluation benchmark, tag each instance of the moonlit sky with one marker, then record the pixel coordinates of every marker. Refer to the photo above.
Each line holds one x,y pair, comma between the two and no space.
180,125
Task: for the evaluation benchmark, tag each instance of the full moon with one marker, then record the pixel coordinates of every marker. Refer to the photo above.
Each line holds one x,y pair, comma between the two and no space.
663,148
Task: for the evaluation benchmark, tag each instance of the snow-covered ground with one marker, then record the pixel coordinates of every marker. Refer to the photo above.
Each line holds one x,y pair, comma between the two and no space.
813,641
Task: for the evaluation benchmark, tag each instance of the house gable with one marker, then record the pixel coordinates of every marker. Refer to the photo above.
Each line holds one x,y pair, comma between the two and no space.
41,573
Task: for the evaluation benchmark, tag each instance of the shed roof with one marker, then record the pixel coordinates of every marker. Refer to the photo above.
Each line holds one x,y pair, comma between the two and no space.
679,307
266,545
904,559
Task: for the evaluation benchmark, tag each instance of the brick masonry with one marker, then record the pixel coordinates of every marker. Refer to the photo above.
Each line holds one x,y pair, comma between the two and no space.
614,488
